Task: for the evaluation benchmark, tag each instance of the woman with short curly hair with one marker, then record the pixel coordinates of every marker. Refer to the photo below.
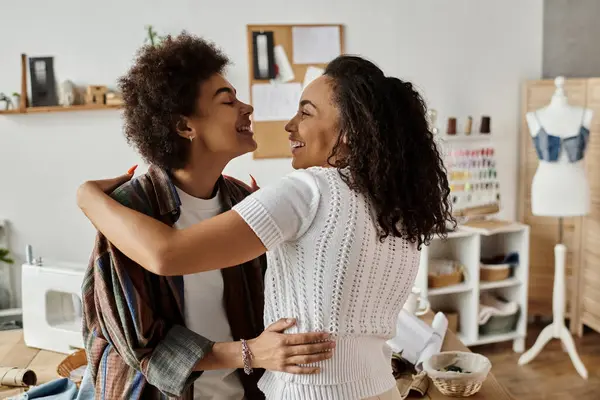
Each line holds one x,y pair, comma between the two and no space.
342,233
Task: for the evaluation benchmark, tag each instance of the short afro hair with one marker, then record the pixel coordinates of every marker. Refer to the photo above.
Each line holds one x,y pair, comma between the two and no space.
162,85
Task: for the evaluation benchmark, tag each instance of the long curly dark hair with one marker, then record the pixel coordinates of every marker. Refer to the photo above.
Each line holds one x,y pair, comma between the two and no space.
392,157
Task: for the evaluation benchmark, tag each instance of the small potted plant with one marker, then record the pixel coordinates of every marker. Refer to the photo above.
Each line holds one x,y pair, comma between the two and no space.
5,256
16,100
8,105
154,39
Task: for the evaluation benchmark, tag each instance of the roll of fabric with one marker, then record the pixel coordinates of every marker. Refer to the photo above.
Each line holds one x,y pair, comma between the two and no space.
17,377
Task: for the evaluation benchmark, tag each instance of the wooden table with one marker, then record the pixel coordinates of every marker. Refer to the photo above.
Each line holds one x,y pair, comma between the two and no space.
14,353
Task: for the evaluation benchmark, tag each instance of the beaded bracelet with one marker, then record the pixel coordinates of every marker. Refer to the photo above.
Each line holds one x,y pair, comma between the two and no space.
247,357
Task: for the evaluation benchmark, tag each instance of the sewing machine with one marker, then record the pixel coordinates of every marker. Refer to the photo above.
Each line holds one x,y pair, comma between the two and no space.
52,312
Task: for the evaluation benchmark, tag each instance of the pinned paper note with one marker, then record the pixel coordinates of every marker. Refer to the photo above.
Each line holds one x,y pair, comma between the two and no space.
276,101
312,73
316,44
285,71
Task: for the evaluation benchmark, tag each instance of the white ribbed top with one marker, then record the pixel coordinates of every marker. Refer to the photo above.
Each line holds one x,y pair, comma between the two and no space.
328,268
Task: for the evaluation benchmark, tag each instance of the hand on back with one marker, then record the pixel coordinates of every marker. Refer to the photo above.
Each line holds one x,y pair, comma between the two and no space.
274,350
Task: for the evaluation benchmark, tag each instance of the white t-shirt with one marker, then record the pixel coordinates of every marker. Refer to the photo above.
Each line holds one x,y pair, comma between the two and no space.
328,269
204,308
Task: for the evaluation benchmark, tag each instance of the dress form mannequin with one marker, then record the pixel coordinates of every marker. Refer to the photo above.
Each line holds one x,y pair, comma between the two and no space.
553,179
559,189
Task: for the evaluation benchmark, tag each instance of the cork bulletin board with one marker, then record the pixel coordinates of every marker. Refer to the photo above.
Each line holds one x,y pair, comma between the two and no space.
270,134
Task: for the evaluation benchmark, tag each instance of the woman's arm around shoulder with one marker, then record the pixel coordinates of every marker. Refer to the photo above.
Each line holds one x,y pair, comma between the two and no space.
274,214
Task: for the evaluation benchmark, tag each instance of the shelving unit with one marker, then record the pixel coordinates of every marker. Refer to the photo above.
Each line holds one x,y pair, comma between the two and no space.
468,245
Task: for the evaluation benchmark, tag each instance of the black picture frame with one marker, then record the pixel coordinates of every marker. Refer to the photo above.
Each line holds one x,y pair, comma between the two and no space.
43,82
258,53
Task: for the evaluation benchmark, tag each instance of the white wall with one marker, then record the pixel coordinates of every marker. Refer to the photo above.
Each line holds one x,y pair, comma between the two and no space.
468,57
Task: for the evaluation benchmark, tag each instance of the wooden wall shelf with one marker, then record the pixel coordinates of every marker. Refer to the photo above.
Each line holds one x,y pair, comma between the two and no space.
11,112
23,109
80,107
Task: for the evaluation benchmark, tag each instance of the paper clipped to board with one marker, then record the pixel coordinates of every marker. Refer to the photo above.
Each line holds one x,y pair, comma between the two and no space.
275,101
286,73
316,44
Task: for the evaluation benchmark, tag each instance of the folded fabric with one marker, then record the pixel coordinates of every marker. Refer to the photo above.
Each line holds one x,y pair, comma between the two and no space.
412,384
58,389
86,387
408,380
510,258
490,306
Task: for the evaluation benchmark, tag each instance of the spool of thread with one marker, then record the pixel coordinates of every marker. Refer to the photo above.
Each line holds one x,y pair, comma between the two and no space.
451,130
469,126
486,123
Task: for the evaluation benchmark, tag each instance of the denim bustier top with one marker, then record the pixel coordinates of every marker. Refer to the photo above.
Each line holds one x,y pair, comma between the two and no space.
548,146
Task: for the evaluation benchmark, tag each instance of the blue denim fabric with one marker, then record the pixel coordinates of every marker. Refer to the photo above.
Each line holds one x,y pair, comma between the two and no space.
548,146
58,389
86,388
575,146
61,389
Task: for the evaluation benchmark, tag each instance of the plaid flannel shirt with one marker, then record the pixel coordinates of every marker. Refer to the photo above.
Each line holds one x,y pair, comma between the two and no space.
134,330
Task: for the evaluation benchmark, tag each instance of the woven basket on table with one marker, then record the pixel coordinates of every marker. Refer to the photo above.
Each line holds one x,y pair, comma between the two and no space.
71,363
457,384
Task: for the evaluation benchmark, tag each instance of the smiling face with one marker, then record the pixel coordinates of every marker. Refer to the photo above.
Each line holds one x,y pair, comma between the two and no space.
314,129
221,123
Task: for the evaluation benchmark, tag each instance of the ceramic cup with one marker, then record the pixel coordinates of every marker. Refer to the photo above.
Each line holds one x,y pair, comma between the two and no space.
416,304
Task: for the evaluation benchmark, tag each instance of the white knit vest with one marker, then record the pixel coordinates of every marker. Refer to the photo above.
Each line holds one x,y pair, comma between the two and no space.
328,268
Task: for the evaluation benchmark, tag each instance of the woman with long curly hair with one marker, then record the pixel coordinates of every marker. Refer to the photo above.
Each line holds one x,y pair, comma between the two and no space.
342,233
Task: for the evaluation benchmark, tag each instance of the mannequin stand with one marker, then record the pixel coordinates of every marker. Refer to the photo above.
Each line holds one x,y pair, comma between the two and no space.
557,329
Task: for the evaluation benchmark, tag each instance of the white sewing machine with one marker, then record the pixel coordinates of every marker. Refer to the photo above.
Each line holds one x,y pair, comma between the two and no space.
52,311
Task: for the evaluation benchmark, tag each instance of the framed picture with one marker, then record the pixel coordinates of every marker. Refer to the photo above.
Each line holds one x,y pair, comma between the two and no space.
263,55
43,83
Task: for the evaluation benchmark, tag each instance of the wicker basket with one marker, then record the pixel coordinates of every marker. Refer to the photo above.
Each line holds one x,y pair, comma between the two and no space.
493,273
457,384
438,281
499,324
453,274
71,363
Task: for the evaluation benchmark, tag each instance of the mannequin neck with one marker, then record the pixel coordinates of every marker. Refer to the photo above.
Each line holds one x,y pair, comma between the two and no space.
559,99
